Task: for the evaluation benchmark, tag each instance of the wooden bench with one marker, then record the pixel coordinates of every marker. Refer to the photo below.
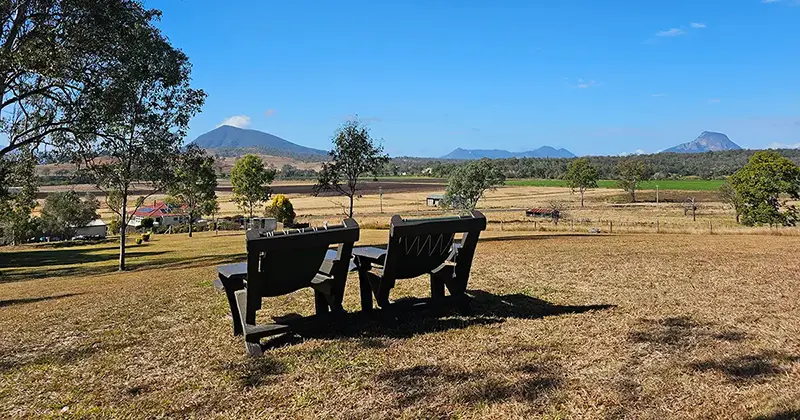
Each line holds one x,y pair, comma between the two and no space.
417,247
279,263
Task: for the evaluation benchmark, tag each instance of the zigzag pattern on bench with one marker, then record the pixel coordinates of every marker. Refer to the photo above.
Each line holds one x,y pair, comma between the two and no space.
418,245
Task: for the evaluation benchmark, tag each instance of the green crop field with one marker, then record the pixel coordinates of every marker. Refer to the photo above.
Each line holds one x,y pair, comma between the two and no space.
666,184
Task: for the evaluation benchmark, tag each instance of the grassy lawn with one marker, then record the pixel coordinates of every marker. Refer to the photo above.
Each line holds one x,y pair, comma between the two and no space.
665,184
561,326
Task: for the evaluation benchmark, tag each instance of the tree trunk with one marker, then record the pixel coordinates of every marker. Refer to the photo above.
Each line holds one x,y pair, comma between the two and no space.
351,206
122,231
190,227
582,190
737,217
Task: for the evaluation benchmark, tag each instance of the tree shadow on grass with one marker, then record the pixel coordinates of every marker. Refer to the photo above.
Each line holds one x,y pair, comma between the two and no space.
43,257
780,415
80,268
536,237
62,353
675,333
524,383
748,367
11,302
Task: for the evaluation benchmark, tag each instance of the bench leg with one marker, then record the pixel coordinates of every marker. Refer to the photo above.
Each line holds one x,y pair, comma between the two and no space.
381,288
437,286
251,343
364,288
320,303
231,286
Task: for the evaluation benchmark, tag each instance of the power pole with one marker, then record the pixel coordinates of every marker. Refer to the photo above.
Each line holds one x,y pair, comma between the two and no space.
380,197
656,193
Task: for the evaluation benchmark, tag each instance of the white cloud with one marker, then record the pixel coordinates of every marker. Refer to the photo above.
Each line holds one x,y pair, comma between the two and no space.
776,145
240,121
770,1
697,25
636,153
583,84
713,101
671,32
658,95
269,112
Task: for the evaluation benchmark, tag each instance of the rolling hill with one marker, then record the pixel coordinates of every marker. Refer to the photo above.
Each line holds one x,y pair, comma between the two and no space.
542,152
708,141
228,138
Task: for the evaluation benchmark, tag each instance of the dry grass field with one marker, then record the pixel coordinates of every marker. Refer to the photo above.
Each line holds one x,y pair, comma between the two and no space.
560,326
606,209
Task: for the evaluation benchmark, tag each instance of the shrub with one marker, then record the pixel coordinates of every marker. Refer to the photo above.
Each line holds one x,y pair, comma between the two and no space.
138,241
281,209
146,237
113,227
228,225
147,223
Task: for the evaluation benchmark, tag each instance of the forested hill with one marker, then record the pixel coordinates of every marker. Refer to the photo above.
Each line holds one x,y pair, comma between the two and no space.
705,165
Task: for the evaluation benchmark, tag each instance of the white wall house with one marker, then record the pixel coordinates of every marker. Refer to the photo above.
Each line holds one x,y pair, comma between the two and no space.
95,229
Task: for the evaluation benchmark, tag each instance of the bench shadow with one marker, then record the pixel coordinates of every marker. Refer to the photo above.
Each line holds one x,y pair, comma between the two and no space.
410,317
12,302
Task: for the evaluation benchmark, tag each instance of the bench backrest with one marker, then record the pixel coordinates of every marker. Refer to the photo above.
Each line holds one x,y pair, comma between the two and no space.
418,246
284,261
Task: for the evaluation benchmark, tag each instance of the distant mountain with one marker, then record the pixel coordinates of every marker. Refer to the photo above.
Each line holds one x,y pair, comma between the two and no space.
542,152
708,141
227,137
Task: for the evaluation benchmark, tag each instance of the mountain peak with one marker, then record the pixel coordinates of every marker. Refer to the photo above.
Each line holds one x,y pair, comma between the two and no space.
542,152
708,141
230,137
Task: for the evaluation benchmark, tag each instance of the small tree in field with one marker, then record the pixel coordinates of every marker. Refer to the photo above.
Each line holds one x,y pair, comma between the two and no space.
764,185
250,180
281,209
133,128
470,182
194,185
64,212
729,196
354,155
631,172
580,176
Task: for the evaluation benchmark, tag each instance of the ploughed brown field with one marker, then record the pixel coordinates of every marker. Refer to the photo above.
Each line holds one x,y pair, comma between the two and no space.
560,326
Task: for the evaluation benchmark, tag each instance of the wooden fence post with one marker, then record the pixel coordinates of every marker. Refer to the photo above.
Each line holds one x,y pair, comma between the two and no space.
610,226
658,226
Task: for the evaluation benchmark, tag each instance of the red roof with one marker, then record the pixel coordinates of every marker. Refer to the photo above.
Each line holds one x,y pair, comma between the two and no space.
158,209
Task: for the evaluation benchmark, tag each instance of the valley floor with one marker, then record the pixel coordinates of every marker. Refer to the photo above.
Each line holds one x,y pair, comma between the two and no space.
561,326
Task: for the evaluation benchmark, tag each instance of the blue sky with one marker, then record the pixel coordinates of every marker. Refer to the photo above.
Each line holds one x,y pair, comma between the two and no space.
595,77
